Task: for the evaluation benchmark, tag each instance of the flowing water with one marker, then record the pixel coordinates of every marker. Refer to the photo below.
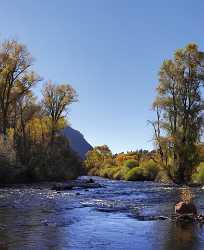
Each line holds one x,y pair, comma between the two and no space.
121,215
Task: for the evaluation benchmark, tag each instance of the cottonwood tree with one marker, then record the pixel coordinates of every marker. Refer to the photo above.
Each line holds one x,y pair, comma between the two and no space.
16,77
56,100
179,106
26,109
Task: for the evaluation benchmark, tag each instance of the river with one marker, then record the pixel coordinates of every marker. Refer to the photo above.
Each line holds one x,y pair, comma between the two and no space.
116,216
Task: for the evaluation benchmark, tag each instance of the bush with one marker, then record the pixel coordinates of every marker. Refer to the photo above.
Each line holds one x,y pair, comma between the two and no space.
150,170
146,171
130,163
198,177
10,174
163,177
118,175
7,148
63,164
94,172
10,170
108,171
135,174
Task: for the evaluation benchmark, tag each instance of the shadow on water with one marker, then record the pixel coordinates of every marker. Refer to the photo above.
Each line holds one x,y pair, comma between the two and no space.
107,218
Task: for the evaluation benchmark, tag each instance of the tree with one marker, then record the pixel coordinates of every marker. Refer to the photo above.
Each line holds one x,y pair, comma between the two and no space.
26,109
179,106
16,77
56,100
27,127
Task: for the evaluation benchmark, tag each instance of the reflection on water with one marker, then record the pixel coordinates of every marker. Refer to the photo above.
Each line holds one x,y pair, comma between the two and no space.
183,237
107,218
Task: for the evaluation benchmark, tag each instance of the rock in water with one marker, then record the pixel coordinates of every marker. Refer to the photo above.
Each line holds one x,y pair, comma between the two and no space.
186,218
90,181
185,208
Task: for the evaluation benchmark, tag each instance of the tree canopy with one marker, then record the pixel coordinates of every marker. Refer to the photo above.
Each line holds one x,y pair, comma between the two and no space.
179,109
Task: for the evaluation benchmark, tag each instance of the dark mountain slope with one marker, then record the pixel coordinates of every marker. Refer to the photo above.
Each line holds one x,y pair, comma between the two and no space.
77,141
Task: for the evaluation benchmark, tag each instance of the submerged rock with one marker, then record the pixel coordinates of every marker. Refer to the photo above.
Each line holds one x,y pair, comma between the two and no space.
62,187
83,185
90,181
200,218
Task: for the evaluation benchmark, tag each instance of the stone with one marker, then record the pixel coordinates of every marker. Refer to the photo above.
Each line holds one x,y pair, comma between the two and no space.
185,208
90,181
78,185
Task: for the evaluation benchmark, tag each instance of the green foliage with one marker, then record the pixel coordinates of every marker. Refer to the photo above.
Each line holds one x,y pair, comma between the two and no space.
135,174
131,164
179,110
118,175
62,165
108,171
10,173
198,177
163,177
150,169
146,171
121,166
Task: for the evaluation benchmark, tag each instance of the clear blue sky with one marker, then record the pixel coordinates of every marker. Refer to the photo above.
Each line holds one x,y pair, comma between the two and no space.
110,51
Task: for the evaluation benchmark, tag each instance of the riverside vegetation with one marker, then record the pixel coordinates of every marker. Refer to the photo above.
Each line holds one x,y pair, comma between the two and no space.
178,127
31,145
32,148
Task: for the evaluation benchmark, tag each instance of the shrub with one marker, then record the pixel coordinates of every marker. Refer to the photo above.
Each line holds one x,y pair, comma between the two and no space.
7,148
11,173
131,163
63,164
104,172
94,172
198,177
150,169
118,175
10,170
163,177
135,174
108,171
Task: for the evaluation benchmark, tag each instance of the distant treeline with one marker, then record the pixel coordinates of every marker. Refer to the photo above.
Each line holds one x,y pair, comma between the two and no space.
139,165
31,145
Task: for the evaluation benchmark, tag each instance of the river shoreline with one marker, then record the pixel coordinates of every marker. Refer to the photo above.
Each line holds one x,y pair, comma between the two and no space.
119,215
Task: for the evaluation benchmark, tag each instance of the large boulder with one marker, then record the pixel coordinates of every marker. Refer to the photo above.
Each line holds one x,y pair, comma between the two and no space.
185,208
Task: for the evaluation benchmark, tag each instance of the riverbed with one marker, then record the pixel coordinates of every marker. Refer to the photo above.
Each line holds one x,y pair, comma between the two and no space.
120,215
